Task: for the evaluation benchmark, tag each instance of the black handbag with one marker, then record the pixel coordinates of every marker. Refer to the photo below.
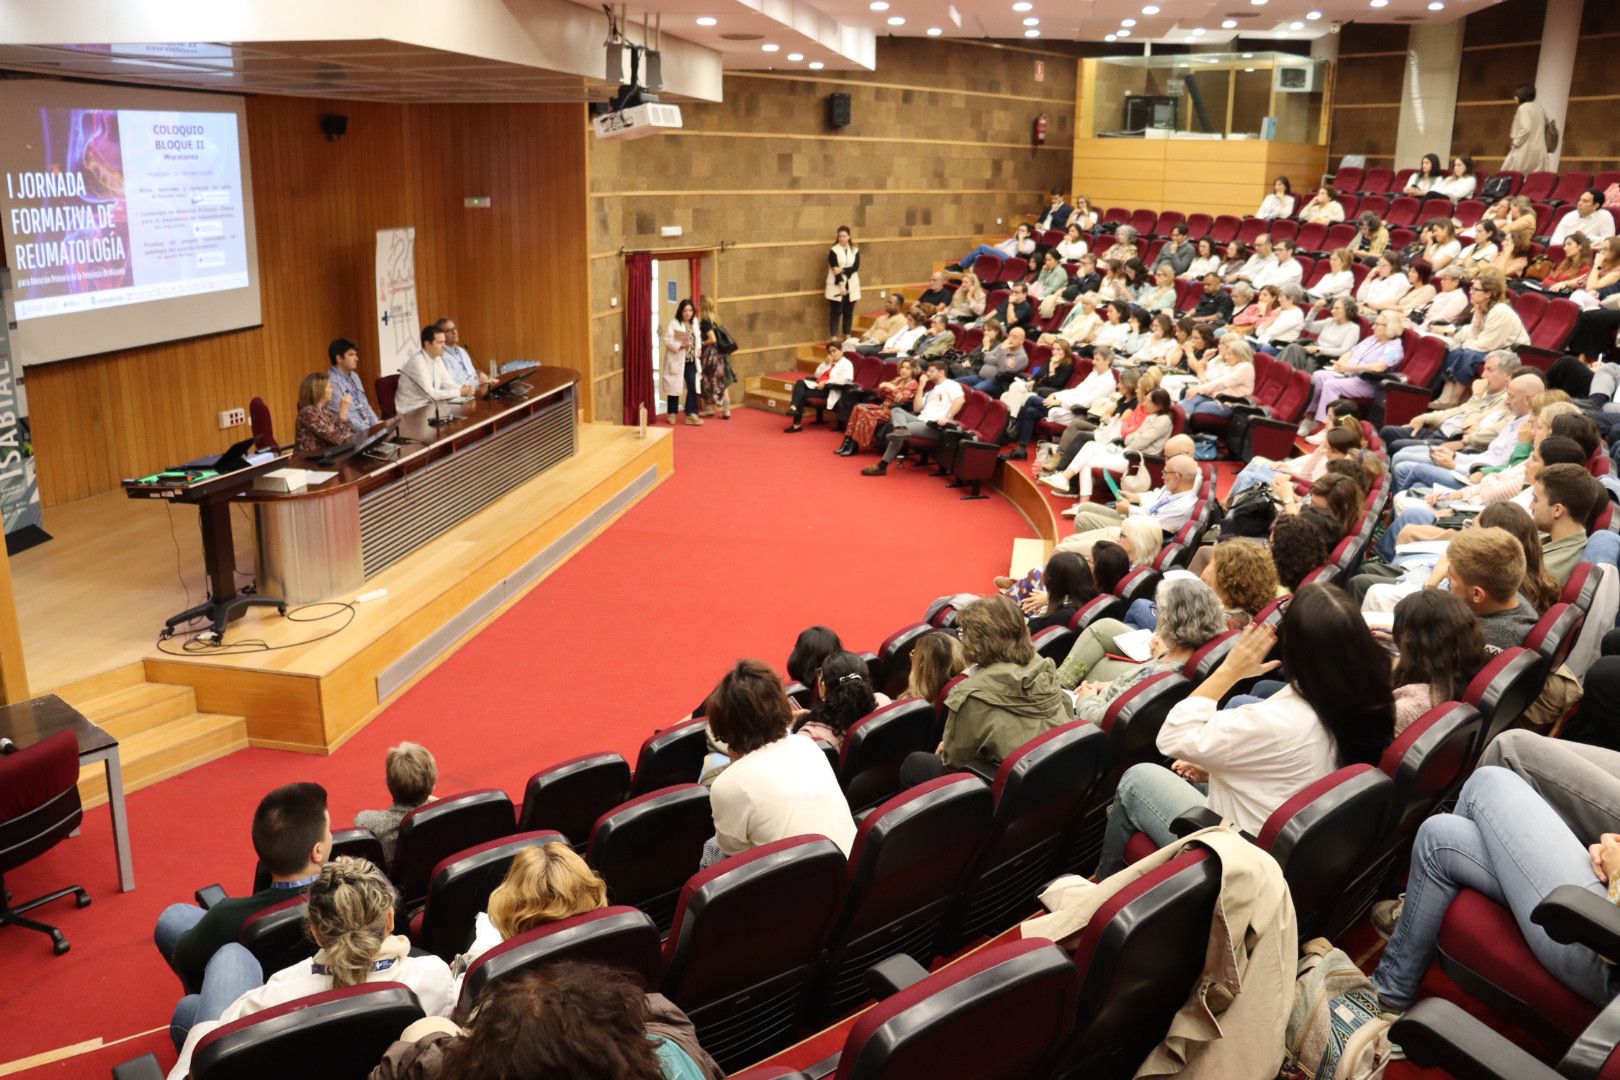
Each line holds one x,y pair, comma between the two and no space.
723,340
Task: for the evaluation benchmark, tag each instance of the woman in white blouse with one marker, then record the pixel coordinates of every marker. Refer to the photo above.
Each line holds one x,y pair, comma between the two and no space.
1336,709
1340,280
778,784
1206,260
843,283
1484,247
1283,325
1160,345
1462,181
1386,284
1442,245
1449,305
680,364
1335,336
1083,216
1115,325
1428,174
351,920
1323,209
1080,325
1280,203
1160,295
1073,245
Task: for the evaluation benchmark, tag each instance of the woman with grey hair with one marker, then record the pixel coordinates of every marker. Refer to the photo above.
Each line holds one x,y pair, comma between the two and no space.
1189,615
1125,244
1283,325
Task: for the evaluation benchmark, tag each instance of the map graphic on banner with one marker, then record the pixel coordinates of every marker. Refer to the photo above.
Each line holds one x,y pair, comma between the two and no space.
399,327
126,206
19,482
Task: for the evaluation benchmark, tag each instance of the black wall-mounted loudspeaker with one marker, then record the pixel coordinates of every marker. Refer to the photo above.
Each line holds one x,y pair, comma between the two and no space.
335,125
838,110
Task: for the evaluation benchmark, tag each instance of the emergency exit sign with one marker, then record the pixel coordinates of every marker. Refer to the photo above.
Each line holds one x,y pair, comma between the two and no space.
1040,71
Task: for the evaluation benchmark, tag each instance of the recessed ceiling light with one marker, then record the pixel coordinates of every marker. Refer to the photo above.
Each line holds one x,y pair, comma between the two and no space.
879,5
1437,6
1032,21
1296,25
1110,38
816,65
1313,15
1249,70
1127,23
1380,3
1023,5
795,57
1199,32
934,31
897,20
1122,33
771,47
1258,3
1032,33
707,20
1228,24
1151,9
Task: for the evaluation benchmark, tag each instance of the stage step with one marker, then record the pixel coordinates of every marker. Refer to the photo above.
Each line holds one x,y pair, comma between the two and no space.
159,730
768,396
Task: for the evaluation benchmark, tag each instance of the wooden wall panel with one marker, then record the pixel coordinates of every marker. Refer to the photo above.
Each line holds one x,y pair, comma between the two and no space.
1365,113
510,274
938,149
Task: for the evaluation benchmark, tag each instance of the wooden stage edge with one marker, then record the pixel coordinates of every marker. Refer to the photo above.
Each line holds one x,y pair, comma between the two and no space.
1021,489
314,697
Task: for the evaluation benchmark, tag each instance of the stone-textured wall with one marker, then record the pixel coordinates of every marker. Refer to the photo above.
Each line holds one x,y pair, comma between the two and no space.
939,147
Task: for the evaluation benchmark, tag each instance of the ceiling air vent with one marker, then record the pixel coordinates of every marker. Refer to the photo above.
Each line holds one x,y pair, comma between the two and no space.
742,37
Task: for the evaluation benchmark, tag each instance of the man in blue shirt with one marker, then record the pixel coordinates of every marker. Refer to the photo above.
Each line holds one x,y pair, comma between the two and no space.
457,360
345,377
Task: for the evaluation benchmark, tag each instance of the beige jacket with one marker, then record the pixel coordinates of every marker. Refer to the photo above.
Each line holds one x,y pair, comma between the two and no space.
1234,1025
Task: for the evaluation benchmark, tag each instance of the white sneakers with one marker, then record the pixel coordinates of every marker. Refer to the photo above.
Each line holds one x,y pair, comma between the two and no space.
1057,482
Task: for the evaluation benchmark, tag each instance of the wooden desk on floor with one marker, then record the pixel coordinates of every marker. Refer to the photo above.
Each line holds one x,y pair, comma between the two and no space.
29,722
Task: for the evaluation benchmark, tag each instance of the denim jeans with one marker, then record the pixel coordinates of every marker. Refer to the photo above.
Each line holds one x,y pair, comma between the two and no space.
1464,365
1603,547
1409,475
231,972
966,261
1417,454
1503,841
689,372
173,925
1418,515
1198,405
979,382
1148,799
1398,437
1142,615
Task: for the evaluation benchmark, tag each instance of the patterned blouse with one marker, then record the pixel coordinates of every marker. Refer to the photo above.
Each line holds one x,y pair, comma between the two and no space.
319,429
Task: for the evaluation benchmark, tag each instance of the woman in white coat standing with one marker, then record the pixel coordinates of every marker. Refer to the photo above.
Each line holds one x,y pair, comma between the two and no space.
1527,142
843,284
680,363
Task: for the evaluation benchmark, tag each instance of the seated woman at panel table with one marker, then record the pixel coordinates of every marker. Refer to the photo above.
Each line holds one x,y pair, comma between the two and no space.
319,428
1246,760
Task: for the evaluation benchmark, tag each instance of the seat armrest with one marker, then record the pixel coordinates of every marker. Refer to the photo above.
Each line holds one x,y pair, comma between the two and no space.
820,1070
145,1067
984,770
1199,817
1572,915
888,977
1272,438
209,895
1434,1033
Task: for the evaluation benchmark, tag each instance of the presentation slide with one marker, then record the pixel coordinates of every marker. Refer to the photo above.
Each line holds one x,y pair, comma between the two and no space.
127,217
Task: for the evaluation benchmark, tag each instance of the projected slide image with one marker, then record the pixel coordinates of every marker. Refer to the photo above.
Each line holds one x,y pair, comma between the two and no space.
125,206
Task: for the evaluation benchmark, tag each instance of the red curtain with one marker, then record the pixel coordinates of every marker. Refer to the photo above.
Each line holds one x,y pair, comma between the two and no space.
638,368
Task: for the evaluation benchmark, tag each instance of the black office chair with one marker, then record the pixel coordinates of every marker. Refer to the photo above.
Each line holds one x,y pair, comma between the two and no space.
39,806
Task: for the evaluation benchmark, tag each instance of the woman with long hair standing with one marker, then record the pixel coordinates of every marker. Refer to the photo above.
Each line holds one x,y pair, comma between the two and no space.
715,398
843,284
680,363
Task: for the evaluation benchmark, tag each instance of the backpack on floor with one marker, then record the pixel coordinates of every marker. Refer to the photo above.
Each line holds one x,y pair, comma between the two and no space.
1336,1030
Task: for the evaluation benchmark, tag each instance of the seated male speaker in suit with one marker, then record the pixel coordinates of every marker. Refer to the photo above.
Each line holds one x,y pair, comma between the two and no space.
425,379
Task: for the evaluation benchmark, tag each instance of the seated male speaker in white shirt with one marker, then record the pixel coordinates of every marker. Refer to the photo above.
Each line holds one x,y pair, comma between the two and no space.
425,379
457,360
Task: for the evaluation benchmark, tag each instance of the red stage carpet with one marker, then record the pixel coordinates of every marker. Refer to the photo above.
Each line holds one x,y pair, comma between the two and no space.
756,536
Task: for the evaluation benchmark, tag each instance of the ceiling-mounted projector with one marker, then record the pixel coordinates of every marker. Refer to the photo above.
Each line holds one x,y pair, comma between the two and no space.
637,121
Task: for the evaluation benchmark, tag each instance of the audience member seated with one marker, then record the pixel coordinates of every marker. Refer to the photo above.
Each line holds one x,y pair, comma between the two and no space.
1233,258
1206,260
1087,279
1261,264
319,428
1000,365
1428,174
1010,696
1485,567
937,296
1158,297
1066,406
1385,283
1442,311
810,650
1440,244
1336,709
1443,466
1032,410
1460,183
1565,499
778,784
967,303
1335,336
1021,242
1602,280
563,1021
545,883
1300,544
1143,430
1505,841
1493,325
1177,252
1588,217
1111,560
1439,648
344,375
292,836
1339,281
351,922
1189,616
1482,248
1372,237
1230,375
1323,209
1278,204
883,327
1073,245
935,661
1469,426
1170,505
938,400
1573,269
411,774
836,371
1375,354
1066,586
1513,258
1016,310
1050,281
1216,305
866,417
1124,248
843,695
1283,324
1244,578
1343,438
